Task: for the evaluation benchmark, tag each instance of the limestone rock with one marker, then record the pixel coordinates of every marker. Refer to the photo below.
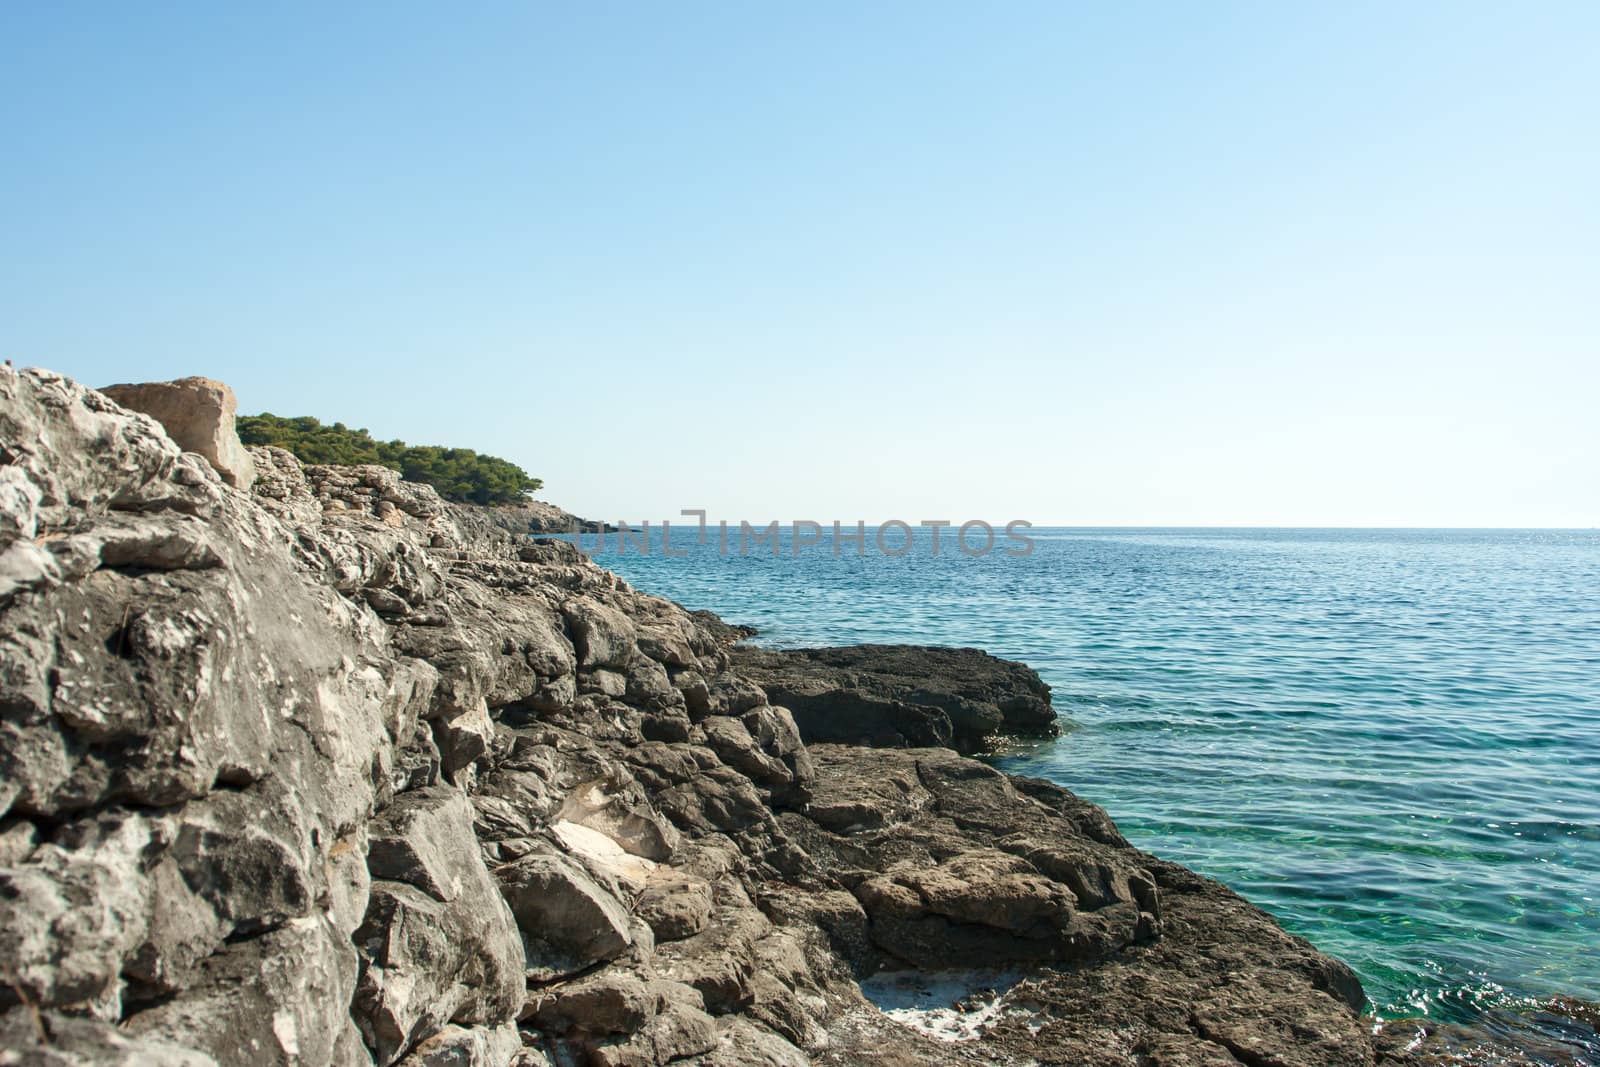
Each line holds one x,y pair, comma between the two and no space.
277,999
730,740
983,908
849,798
50,1039
675,904
568,921
194,718
539,517
456,1046
438,943
69,917
619,1018
601,635
197,413
743,1044
616,806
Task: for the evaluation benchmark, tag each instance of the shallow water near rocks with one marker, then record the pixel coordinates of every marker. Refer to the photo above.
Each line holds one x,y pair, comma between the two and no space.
1388,738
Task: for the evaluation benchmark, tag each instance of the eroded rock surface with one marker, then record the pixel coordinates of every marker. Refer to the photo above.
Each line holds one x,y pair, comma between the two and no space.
333,772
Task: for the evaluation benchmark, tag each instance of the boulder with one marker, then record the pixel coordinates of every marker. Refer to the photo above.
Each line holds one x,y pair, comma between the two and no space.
850,797
602,636
197,413
619,1018
978,908
438,943
731,740
676,904
568,921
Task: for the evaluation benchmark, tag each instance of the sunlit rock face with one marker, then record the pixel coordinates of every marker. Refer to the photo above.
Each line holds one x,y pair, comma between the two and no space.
198,414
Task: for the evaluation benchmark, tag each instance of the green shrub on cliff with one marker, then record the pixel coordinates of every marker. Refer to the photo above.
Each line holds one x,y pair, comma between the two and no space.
457,473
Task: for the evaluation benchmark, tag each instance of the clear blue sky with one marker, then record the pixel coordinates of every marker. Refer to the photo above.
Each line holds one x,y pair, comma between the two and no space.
1094,264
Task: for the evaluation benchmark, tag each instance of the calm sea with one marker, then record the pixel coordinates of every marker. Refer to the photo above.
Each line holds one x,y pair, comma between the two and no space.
1388,738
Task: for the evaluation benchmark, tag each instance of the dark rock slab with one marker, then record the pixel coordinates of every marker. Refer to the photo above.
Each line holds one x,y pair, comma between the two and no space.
895,696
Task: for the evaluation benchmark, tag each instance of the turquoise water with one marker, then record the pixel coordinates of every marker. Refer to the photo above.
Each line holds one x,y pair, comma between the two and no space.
1388,738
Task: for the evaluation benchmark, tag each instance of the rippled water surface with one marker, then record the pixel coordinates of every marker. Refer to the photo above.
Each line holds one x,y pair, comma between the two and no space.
1390,739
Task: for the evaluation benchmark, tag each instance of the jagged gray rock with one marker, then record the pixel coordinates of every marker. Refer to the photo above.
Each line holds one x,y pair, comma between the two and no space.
195,722
568,920
438,944
280,999
456,1046
676,905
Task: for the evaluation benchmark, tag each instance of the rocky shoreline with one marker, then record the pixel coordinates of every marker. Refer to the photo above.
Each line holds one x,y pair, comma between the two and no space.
536,517
303,765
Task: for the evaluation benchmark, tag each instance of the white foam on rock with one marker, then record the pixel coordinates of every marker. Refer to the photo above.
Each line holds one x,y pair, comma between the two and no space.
945,1005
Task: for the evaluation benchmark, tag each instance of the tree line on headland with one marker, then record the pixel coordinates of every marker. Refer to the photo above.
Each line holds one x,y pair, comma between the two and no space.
459,474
